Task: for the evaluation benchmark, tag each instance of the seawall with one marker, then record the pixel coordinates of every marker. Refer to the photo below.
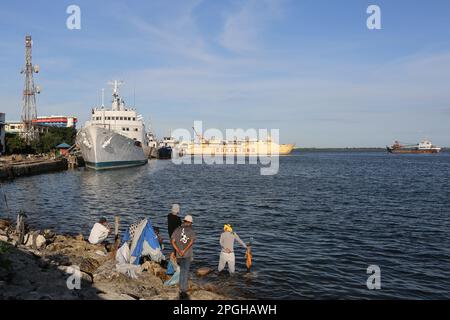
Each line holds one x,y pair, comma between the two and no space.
11,169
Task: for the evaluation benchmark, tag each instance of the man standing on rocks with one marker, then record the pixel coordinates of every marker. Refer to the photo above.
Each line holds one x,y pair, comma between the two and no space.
182,240
99,232
173,220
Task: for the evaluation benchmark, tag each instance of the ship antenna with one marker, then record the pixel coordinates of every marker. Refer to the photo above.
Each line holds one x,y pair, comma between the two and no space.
115,84
115,94
103,97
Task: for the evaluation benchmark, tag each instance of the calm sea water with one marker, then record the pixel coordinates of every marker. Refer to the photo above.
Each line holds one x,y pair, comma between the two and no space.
316,226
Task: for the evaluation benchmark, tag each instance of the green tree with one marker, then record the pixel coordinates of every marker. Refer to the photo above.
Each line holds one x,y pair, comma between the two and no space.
46,142
15,144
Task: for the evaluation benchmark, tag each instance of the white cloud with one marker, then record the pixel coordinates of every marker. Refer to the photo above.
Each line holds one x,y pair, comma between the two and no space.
175,32
243,28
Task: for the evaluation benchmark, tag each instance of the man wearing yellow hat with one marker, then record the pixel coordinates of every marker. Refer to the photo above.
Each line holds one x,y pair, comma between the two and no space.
227,243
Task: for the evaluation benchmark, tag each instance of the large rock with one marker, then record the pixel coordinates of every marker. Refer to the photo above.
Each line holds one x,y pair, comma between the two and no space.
170,293
115,296
202,272
206,295
79,237
155,269
173,294
49,235
60,238
145,287
4,224
210,287
31,239
106,272
86,264
56,246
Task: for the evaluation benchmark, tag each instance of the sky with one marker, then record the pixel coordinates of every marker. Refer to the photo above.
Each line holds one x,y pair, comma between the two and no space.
310,68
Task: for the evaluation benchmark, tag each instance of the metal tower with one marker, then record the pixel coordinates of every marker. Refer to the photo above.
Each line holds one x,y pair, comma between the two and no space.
29,112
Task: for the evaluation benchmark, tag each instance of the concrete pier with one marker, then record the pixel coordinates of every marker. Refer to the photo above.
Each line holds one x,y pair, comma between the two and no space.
13,169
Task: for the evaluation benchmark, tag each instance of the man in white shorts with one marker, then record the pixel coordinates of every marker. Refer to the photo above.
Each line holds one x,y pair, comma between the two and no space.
227,243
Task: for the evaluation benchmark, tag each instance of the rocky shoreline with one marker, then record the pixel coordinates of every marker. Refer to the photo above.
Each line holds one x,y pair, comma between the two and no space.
42,267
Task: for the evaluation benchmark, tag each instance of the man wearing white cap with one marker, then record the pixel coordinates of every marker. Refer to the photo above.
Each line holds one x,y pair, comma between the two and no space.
182,240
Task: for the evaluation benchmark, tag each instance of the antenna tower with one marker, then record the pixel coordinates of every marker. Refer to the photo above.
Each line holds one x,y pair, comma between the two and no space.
29,112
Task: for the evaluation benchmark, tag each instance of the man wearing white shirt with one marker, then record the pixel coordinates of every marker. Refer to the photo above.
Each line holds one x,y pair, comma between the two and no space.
99,232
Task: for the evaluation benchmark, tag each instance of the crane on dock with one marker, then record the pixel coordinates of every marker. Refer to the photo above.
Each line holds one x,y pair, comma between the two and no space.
201,137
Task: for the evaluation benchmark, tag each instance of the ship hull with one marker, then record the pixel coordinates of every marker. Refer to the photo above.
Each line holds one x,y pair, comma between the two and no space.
165,153
235,150
104,149
405,151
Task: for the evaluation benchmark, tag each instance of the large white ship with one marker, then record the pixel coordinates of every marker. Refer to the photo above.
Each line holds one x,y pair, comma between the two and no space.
236,147
114,138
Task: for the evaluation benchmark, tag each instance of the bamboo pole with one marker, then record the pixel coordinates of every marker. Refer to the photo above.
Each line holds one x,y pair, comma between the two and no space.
116,237
20,227
116,226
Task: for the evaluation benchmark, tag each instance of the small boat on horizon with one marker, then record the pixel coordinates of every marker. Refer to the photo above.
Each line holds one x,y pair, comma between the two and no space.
424,147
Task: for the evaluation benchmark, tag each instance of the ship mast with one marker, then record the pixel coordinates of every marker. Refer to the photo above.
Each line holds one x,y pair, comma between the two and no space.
117,102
